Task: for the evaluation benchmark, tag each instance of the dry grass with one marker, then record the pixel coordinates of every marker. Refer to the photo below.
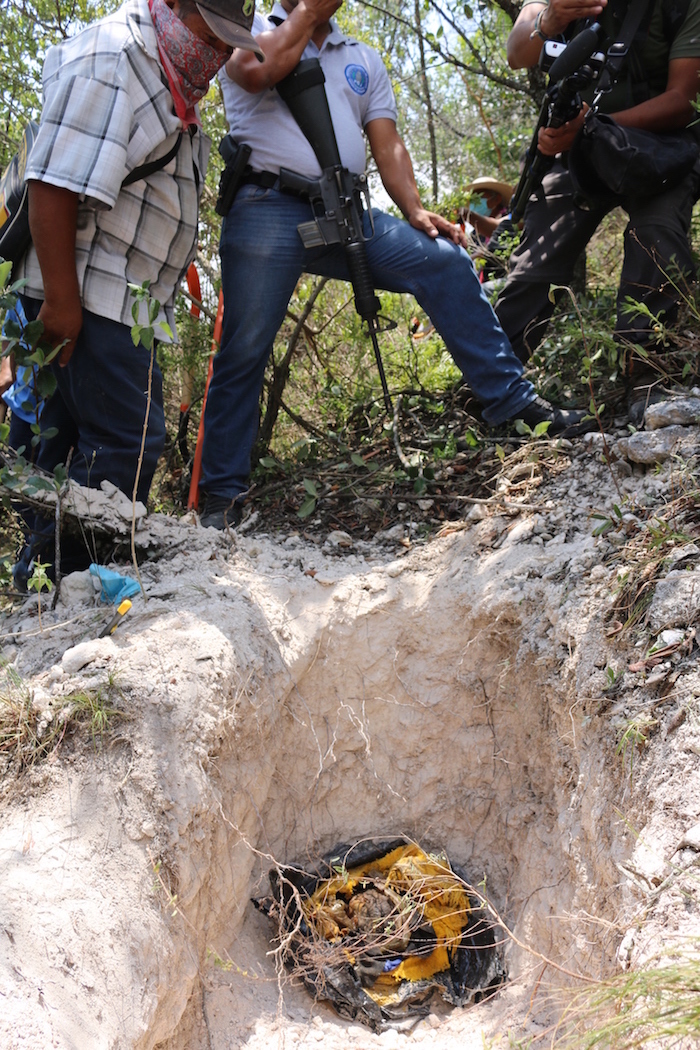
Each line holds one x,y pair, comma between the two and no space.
30,734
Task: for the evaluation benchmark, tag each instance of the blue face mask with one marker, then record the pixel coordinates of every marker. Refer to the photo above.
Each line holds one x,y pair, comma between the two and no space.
478,206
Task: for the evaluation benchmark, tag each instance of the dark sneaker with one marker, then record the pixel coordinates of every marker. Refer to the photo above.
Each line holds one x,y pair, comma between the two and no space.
563,422
23,569
220,512
639,399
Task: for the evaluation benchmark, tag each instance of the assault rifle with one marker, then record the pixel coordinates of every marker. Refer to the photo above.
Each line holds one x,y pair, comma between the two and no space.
572,68
338,198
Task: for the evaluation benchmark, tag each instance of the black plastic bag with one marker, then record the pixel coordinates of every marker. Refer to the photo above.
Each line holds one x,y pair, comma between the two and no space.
377,928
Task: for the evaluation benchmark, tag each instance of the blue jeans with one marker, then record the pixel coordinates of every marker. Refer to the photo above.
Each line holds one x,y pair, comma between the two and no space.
99,406
262,259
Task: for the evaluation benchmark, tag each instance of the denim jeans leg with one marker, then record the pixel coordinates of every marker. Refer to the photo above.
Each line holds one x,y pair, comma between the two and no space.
100,406
441,277
261,262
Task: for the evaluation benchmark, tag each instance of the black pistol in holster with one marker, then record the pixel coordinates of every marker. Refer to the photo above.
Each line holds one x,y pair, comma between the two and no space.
338,198
236,155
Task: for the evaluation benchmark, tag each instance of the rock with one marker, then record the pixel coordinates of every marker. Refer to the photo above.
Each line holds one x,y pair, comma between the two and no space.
80,655
79,587
395,533
691,839
671,637
595,441
679,411
338,538
657,445
676,601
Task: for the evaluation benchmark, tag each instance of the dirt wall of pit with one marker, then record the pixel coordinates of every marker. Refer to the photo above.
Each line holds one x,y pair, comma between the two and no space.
282,700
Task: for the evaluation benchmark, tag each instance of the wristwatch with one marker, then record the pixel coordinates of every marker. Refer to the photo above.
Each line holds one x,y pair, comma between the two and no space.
537,27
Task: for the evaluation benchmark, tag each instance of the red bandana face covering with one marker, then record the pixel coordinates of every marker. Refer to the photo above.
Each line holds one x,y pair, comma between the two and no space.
189,63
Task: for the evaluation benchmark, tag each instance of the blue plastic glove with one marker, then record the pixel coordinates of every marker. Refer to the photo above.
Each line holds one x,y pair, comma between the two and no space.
115,587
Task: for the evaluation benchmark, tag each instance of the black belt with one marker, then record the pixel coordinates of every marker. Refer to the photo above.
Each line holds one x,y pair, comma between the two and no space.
269,181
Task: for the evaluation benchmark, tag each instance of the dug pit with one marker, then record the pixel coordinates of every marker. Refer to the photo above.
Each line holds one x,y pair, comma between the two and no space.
282,697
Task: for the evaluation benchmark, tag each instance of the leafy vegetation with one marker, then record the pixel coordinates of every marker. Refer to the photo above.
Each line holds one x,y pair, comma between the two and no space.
463,113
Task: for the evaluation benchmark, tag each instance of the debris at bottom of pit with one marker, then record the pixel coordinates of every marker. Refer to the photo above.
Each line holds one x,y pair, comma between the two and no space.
379,927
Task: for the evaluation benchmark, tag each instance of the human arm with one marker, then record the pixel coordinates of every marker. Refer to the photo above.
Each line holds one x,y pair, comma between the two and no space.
7,373
483,224
283,46
53,214
670,111
523,49
396,172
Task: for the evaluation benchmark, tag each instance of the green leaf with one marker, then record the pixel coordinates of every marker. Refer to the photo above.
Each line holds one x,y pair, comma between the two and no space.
49,357
49,433
45,383
311,488
522,427
5,269
542,427
136,334
11,330
307,507
268,461
357,459
147,336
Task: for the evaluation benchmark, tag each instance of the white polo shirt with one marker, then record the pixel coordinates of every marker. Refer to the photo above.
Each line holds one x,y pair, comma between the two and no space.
358,90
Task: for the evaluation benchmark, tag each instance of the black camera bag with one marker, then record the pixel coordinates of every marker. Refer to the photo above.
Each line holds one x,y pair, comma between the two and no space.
609,162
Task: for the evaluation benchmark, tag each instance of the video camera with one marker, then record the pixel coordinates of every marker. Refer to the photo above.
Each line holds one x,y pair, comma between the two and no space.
572,68
554,49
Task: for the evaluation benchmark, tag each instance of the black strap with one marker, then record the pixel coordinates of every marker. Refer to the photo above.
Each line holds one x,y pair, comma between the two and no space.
618,51
154,165
271,181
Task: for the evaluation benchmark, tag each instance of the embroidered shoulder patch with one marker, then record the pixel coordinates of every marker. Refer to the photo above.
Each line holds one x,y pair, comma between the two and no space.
358,78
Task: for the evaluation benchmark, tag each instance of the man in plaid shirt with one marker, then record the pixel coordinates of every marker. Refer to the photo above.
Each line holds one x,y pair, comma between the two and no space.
119,95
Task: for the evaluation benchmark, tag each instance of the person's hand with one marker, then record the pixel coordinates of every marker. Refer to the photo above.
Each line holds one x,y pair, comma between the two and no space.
62,321
436,225
560,12
7,372
321,10
551,141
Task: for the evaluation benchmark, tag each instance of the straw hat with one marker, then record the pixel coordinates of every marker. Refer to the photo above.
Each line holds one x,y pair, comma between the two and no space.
484,184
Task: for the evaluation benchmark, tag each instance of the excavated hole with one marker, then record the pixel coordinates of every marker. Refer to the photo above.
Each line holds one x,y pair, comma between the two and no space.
429,719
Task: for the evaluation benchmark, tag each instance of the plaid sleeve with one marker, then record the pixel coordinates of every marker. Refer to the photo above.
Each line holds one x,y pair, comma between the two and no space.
84,136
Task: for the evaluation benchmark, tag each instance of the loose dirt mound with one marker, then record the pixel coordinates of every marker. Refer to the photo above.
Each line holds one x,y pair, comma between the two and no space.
491,692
